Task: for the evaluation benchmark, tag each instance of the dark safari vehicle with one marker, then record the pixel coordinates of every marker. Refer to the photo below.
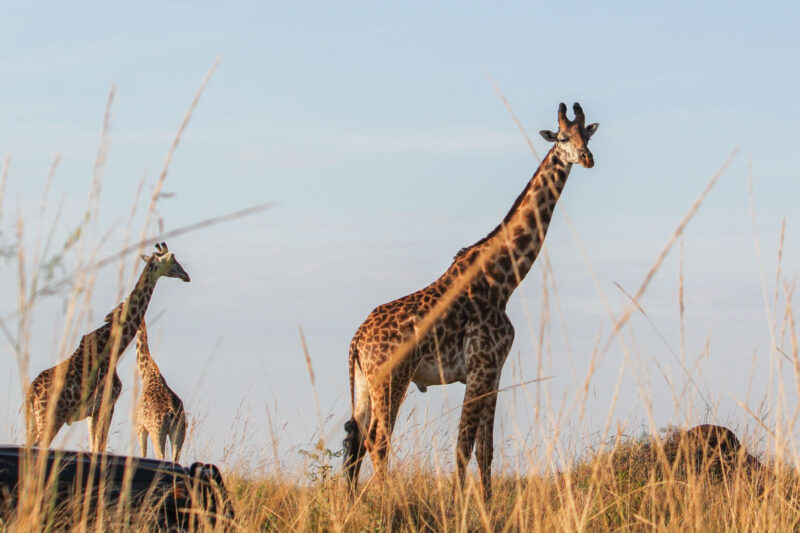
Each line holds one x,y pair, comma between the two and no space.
166,495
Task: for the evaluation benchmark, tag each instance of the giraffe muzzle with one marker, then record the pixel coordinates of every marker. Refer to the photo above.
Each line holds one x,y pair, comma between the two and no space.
587,160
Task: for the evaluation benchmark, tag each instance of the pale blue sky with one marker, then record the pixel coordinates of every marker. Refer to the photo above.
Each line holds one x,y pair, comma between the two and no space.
378,132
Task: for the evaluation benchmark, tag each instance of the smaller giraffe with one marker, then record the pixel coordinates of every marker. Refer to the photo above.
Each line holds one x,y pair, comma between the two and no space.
160,411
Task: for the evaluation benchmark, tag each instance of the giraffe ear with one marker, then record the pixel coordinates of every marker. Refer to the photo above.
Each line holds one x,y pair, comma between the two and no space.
591,128
145,258
548,136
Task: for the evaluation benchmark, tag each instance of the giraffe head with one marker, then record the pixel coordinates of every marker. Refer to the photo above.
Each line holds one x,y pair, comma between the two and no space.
572,136
164,263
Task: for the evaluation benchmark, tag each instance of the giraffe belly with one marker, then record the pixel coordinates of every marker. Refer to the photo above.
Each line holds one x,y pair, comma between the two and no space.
429,372
76,414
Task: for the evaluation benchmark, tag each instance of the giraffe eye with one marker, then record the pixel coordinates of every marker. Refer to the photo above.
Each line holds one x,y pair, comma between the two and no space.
562,139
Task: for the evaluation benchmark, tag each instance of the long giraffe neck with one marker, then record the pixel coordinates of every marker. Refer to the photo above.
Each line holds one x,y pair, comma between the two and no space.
508,252
144,360
123,322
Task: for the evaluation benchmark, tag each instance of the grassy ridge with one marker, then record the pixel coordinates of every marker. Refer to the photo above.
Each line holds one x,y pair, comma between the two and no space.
640,483
626,486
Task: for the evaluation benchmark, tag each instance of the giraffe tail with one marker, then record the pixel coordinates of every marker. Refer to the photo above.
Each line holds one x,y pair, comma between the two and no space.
352,361
352,441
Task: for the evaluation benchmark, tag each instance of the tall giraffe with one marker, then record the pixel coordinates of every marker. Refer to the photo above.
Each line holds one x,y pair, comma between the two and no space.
456,328
75,388
160,411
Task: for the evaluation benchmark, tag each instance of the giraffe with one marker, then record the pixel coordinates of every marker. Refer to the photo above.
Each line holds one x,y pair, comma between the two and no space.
456,328
160,411
76,388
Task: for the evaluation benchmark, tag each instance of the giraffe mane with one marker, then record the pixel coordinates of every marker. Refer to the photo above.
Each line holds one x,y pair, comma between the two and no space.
506,219
118,309
497,229
113,312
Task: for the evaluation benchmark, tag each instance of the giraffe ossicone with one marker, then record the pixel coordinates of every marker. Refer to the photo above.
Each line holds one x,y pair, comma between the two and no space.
86,384
456,328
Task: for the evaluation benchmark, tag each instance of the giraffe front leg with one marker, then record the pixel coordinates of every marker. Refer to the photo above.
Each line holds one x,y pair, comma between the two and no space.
486,349
471,411
102,411
99,426
91,422
484,446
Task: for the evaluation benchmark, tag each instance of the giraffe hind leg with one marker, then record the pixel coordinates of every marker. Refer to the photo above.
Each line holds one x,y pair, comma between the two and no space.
46,414
354,451
46,433
177,437
141,432
385,406
354,442
31,423
160,441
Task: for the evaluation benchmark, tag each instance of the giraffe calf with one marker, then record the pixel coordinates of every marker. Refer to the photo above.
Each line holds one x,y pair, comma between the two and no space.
160,411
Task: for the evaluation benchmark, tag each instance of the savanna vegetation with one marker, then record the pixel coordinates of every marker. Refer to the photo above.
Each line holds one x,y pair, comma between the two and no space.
630,479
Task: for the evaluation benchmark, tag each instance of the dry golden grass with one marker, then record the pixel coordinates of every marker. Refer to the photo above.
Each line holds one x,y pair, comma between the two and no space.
622,487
